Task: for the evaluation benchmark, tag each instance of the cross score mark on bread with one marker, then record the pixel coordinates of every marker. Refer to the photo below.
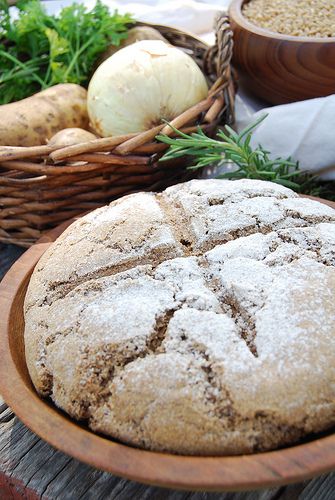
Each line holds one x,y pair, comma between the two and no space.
197,321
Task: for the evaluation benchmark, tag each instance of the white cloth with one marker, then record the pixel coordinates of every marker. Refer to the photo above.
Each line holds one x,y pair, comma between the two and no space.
189,15
303,130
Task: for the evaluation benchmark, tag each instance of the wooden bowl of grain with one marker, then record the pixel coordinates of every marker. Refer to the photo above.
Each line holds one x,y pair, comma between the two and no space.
285,51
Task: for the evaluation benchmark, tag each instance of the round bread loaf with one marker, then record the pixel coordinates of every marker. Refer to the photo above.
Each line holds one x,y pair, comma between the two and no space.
196,321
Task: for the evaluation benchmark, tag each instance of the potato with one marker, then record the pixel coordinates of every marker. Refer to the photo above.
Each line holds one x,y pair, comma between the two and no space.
69,136
31,121
134,35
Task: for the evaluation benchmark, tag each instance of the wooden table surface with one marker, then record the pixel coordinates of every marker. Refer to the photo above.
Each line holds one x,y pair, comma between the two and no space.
31,469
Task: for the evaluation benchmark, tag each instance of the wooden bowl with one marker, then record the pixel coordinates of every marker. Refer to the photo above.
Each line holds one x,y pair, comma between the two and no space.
281,68
260,470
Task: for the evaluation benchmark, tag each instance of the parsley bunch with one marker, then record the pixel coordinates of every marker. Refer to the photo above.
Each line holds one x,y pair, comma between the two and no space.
38,50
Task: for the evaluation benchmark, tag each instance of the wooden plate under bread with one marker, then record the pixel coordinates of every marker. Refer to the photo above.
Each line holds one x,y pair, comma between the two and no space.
260,470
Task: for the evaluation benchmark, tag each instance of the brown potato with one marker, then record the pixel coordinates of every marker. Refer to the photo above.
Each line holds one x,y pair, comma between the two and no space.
134,35
69,136
31,121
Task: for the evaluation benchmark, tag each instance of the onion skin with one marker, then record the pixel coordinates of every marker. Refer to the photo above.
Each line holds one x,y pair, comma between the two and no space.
138,86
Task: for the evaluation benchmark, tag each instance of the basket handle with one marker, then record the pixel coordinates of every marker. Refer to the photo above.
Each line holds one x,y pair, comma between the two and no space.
217,58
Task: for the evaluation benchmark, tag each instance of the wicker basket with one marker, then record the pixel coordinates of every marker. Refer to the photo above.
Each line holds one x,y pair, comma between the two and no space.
40,186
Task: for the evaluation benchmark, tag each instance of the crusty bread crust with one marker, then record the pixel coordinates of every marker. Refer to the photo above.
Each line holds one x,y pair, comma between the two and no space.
197,321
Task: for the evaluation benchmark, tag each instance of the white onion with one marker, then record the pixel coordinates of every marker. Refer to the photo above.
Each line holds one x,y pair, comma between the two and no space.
138,86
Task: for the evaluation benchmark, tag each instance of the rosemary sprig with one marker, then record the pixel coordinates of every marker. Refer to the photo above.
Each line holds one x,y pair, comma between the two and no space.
235,148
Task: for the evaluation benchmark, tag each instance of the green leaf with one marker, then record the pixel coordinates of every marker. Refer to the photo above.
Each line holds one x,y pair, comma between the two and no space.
64,48
58,45
250,128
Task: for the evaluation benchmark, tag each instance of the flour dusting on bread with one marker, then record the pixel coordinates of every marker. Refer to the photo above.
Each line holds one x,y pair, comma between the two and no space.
196,321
